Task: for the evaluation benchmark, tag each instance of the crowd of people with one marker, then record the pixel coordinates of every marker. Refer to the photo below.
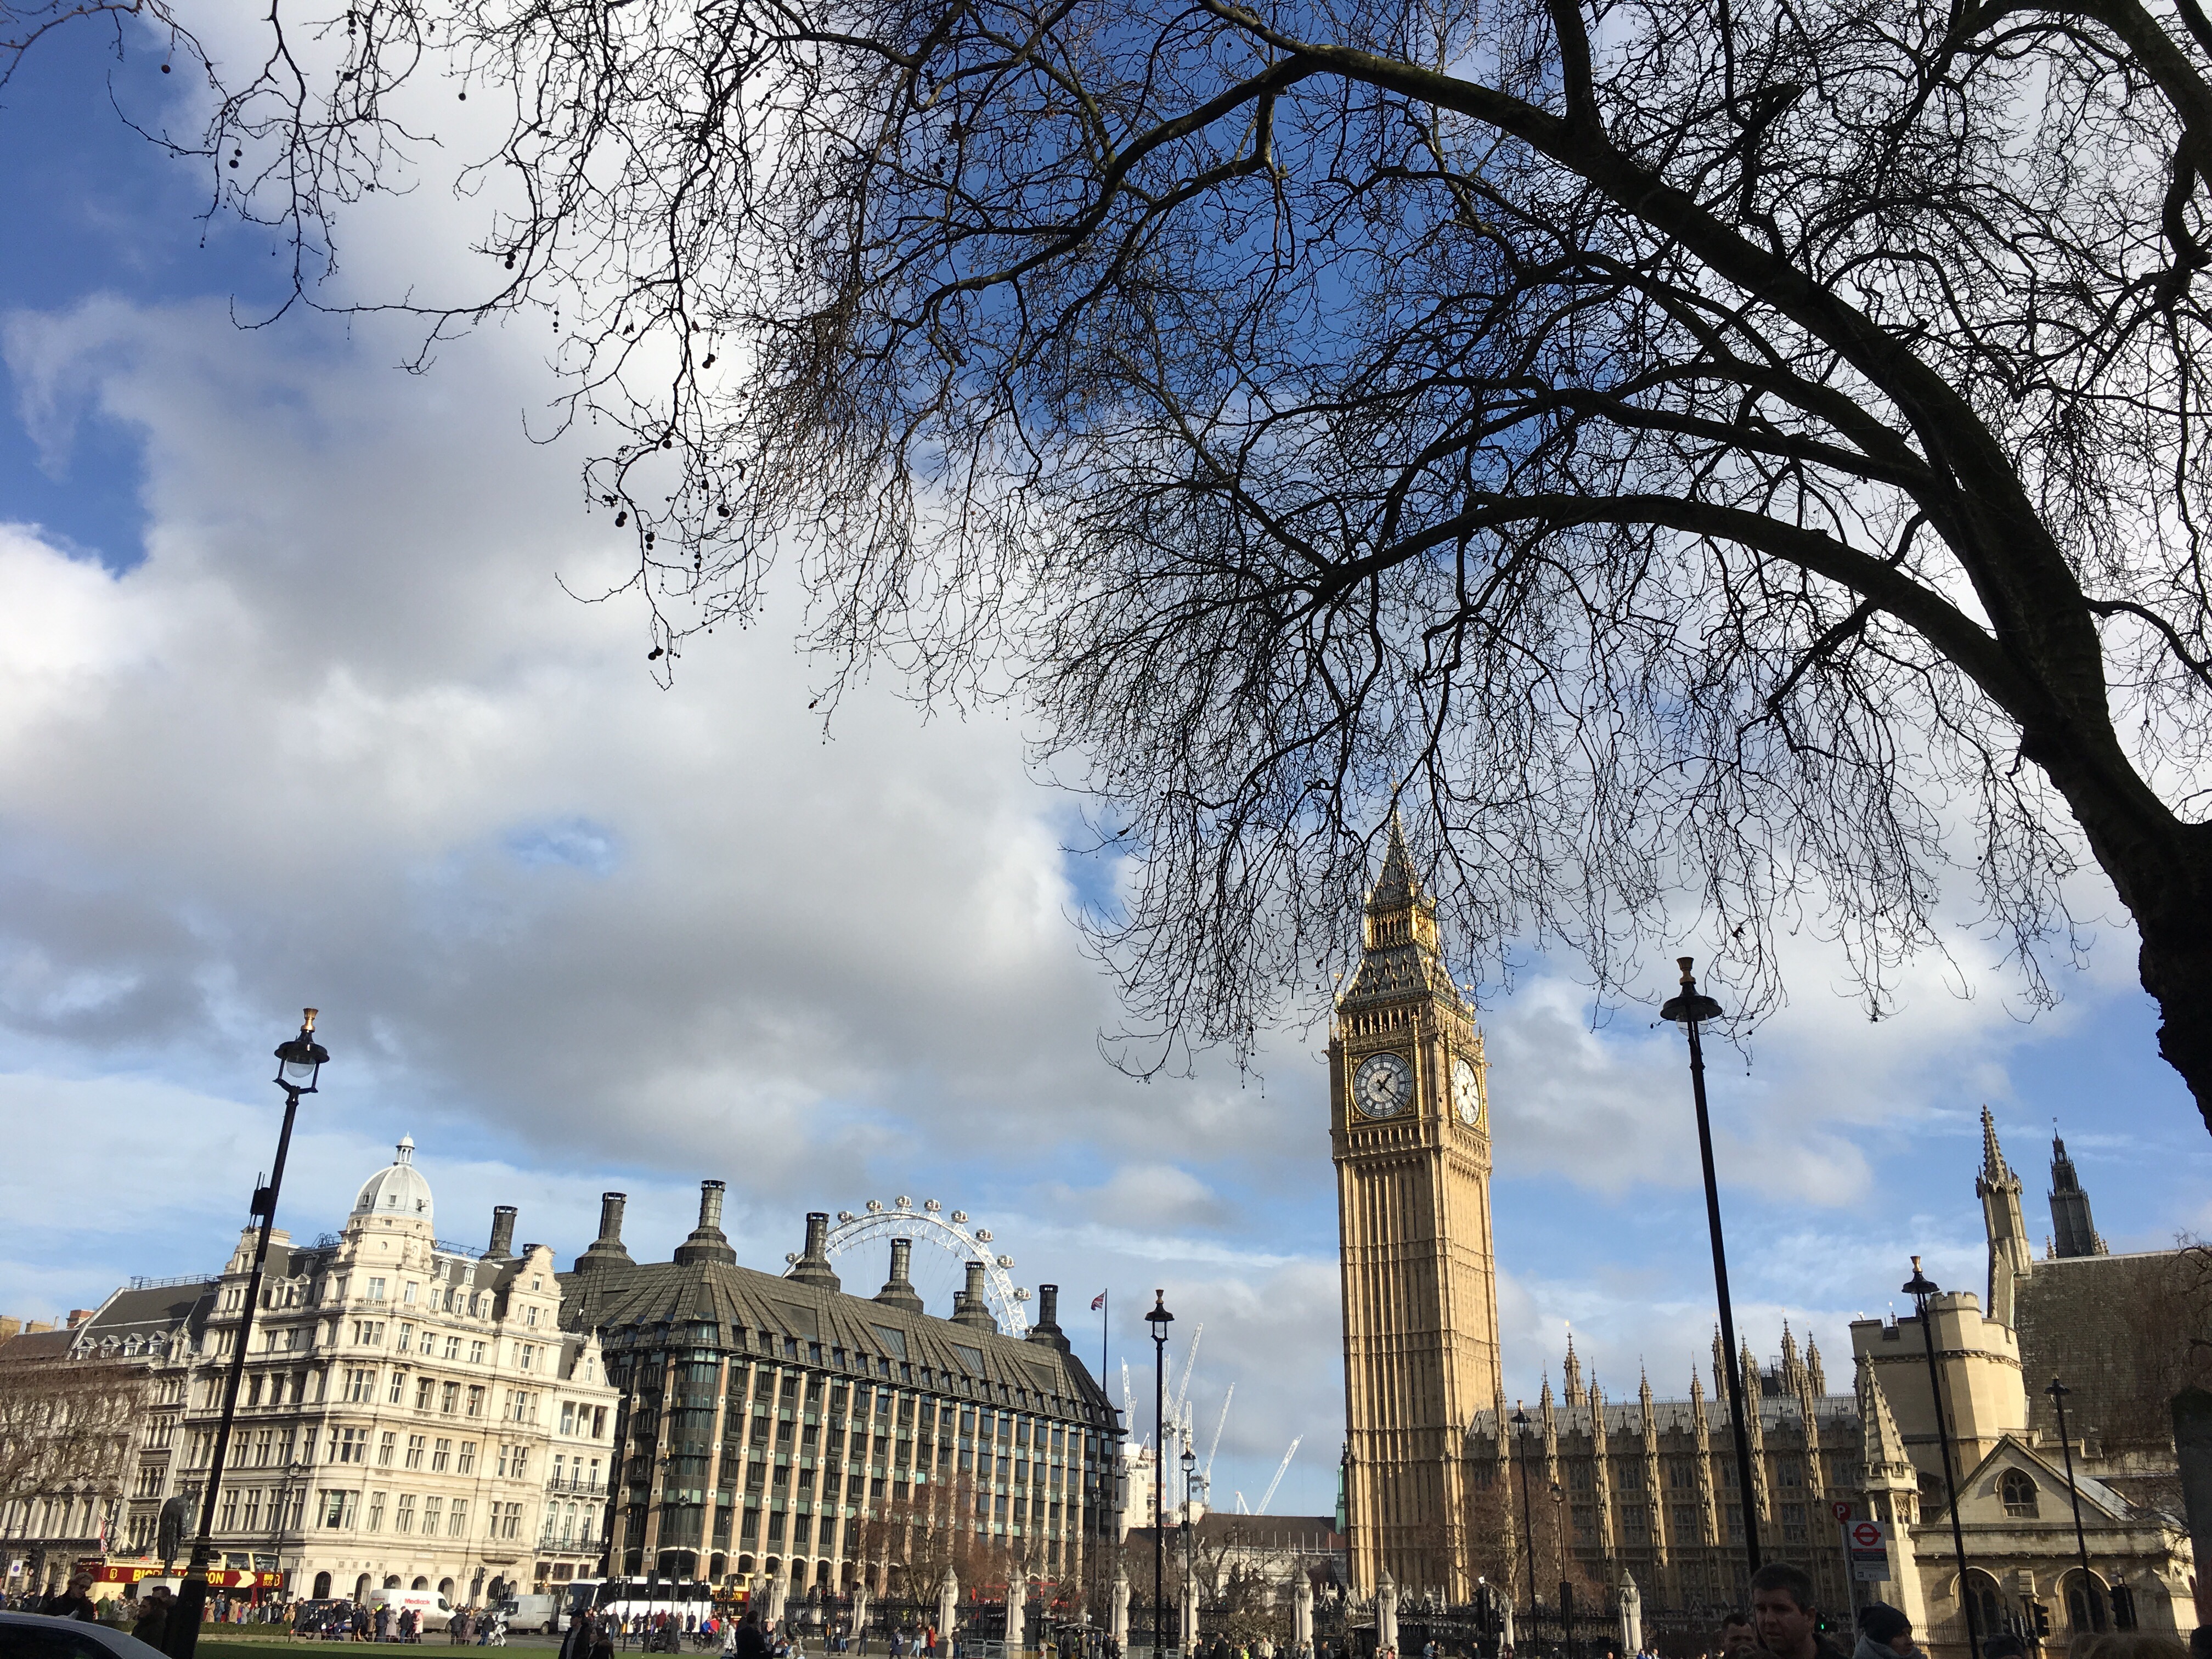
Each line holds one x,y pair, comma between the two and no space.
1782,1622
1785,1622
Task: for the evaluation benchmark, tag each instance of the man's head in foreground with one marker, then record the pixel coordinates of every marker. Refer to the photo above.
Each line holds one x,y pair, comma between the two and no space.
1781,1609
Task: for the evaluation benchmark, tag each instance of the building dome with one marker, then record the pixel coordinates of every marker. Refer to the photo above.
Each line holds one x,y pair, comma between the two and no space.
396,1190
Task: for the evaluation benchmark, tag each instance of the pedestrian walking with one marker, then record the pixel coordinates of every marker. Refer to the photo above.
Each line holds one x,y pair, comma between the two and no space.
152,1625
1884,1633
73,1601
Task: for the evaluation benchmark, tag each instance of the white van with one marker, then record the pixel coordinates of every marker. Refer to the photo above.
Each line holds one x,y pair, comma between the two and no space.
531,1611
436,1612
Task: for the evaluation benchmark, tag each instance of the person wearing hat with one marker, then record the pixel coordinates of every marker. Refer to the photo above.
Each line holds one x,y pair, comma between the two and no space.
1884,1633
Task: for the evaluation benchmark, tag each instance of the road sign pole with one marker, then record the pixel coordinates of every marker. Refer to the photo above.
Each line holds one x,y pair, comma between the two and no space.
1843,1513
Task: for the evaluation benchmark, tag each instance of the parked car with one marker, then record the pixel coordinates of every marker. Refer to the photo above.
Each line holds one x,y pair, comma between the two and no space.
34,1636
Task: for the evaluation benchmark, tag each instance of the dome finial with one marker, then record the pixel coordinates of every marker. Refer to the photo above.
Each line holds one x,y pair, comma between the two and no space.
405,1150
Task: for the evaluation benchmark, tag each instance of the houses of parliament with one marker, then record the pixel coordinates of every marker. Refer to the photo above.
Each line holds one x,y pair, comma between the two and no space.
1642,1489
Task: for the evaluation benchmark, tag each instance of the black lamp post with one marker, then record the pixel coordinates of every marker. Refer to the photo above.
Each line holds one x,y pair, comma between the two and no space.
2090,1603
1566,1589
1527,1522
298,1064
1688,1009
1189,1542
1920,1287
1159,1319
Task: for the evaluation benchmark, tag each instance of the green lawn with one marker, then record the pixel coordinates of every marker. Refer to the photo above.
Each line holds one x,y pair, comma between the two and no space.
245,1642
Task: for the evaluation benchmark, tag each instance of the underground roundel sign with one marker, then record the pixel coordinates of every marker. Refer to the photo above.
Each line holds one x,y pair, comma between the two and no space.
1867,1536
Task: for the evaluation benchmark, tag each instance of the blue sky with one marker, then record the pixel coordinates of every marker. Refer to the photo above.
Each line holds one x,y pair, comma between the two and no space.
292,709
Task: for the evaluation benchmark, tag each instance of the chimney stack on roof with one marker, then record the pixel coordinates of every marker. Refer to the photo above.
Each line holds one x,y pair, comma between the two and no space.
606,1250
812,1265
898,1291
708,1243
970,1306
1047,1329
503,1233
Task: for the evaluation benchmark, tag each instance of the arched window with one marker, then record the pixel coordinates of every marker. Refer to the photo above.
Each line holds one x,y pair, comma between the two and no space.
420,1583
2018,1488
322,1586
1988,1601
391,1581
361,1587
2087,1613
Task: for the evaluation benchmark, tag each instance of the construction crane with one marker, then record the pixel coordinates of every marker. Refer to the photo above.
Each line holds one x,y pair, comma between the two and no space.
1281,1469
1218,1427
1180,1398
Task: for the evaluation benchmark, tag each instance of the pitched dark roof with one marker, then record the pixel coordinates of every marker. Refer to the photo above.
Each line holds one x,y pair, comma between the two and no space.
643,1298
38,1344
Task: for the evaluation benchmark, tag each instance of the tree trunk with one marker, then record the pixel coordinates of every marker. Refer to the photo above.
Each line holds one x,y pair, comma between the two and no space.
2176,964
2161,868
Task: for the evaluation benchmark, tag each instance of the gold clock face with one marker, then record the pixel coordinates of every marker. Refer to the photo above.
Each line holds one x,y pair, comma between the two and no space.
1383,1085
1466,1092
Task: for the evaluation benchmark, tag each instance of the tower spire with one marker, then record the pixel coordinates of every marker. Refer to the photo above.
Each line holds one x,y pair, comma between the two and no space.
1993,1164
1397,885
2075,1233
2010,1258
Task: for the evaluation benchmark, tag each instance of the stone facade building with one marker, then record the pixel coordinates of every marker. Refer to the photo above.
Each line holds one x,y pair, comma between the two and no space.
1648,1487
1647,1491
411,1413
781,1427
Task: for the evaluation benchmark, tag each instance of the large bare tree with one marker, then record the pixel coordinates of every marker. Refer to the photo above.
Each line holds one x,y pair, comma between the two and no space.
68,1428
1715,466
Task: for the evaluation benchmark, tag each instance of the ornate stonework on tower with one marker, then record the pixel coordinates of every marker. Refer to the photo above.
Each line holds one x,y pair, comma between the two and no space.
1409,1125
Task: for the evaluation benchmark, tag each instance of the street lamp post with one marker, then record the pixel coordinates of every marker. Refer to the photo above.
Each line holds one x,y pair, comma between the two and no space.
1527,1522
1159,1319
1566,1589
1920,1287
1688,1009
299,1063
1189,1542
2090,1603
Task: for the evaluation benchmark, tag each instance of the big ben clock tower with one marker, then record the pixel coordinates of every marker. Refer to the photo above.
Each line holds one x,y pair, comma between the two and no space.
1409,1126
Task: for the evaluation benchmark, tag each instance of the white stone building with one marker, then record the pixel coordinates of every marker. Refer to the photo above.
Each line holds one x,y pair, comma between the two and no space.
411,1413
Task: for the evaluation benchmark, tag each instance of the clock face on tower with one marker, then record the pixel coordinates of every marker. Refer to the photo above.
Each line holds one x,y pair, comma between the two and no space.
1383,1085
1467,1097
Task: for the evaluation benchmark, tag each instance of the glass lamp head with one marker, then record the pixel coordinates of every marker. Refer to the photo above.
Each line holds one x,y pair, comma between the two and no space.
300,1061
